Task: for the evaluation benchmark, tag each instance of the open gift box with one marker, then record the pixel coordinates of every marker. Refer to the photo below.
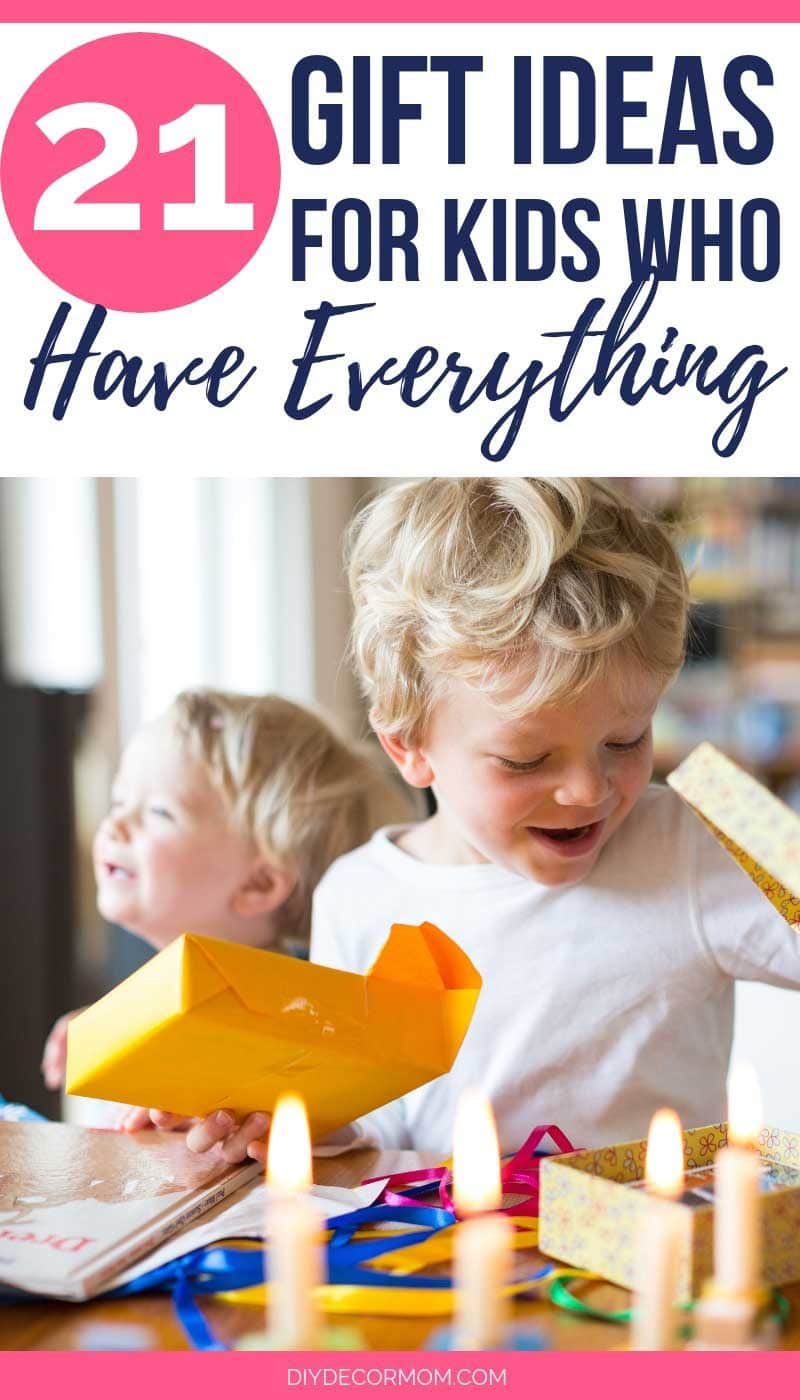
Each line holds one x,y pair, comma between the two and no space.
208,1025
590,1207
759,831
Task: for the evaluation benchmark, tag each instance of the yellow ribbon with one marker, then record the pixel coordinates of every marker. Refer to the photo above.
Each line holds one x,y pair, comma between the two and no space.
379,1301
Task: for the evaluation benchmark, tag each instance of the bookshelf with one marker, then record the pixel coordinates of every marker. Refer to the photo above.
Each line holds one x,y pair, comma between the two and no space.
740,688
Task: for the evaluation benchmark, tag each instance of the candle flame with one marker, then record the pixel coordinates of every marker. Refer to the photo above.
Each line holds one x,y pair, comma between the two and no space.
289,1148
476,1156
744,1106
663,1168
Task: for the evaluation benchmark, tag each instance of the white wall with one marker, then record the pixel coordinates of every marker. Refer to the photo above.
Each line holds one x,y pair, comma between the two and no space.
767,1023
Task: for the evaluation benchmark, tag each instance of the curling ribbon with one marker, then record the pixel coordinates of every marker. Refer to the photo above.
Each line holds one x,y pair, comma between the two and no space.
518,1173
560,1293
229,1268
381,1294
398,1287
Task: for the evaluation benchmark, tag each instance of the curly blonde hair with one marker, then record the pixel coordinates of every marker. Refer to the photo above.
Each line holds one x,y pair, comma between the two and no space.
527,588
300,791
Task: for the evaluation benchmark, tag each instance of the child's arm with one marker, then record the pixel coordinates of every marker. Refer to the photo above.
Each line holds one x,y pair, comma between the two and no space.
745,937
54,1056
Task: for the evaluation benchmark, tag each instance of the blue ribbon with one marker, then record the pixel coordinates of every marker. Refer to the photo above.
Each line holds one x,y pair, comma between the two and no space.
346,1256
192,1320
226,1268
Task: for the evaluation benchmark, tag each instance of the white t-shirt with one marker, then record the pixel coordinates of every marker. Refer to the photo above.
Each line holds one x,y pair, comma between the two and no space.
601,1001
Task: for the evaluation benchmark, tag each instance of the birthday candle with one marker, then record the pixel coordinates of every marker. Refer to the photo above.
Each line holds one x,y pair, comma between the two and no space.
483,1242
658,1241
737,1202
295,1254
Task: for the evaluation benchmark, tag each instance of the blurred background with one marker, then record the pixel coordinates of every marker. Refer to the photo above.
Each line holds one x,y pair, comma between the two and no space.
117,593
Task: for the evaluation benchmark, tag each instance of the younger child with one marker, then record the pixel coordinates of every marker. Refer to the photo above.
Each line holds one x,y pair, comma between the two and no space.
224,815
514,638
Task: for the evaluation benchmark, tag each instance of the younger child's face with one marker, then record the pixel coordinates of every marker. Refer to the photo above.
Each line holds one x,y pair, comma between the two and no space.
167,860
542,794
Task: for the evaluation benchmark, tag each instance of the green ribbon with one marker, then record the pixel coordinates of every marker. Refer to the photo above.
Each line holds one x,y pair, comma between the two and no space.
560,1294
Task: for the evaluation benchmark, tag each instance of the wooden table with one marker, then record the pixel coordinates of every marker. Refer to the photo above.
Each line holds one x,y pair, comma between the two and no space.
69,1326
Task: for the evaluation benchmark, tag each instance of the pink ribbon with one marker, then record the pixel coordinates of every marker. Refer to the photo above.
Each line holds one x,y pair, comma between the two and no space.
518,1173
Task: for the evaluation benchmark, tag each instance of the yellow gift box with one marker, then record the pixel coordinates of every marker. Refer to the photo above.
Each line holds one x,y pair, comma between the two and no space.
589,1212
208,1025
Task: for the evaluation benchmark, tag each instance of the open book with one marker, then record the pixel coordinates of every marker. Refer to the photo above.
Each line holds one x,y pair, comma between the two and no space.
80,1205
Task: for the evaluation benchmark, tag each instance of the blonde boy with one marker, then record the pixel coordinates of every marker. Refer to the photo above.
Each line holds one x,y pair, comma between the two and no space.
513,638
225,813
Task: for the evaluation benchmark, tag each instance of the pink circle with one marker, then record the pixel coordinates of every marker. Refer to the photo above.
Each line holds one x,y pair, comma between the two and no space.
154,79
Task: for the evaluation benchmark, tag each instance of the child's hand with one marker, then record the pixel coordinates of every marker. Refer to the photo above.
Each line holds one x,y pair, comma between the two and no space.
54,1057
233,1139
258,1149
221,1130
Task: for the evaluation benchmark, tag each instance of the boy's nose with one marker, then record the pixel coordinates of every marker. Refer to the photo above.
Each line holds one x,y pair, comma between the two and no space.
116,824
583,786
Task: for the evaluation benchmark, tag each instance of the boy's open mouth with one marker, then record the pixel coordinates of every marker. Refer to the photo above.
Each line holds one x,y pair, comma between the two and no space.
570,840
116,872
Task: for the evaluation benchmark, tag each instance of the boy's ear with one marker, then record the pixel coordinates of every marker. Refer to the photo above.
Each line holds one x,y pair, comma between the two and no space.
412,762
264,890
